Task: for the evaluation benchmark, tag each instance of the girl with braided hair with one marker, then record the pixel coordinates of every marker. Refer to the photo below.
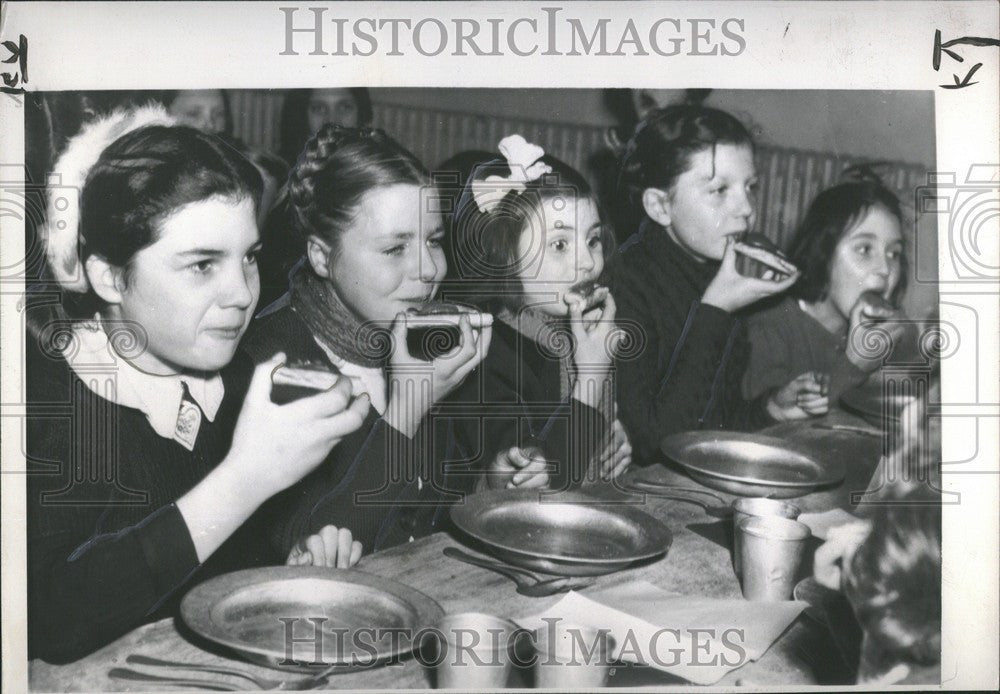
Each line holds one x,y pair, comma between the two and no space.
691,168
373,258
151,478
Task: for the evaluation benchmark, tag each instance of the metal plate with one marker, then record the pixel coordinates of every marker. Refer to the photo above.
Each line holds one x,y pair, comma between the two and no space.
568,533
750,464
244,611
874,404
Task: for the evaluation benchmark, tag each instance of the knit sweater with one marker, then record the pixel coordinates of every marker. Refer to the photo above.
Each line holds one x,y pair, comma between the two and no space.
377,482
685,374
107,548
515,399
786,342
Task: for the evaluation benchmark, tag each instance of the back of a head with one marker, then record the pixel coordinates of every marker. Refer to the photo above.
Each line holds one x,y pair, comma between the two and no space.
894,583
335,170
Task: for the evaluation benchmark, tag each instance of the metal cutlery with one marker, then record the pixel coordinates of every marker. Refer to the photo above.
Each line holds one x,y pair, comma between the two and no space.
528,583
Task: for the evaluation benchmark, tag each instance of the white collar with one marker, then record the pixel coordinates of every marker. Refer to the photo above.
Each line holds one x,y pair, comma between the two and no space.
95,361
364,379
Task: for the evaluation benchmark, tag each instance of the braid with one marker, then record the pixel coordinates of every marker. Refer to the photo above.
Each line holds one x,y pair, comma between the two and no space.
336,168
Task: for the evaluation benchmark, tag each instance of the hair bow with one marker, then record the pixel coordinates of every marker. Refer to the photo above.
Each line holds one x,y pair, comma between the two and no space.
522,160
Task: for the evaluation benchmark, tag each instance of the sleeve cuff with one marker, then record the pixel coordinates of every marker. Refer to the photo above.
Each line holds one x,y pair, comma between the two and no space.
167,547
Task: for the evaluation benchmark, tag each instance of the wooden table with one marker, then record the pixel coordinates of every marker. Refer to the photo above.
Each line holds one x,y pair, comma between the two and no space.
694,566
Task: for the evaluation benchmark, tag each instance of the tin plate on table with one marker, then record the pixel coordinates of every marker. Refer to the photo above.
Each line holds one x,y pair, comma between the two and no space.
568,533
244,610
750,464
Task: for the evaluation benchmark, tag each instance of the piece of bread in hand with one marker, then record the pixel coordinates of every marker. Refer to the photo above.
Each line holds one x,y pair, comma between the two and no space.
592,293
299,380
435,331
877,307
749,266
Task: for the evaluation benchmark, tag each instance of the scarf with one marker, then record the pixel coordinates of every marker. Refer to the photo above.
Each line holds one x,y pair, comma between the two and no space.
335,325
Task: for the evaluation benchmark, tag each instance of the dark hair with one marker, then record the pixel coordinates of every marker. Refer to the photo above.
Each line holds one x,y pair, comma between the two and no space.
338,166
831,215
168,98
143,177
486,244
295,119
893,582
661,148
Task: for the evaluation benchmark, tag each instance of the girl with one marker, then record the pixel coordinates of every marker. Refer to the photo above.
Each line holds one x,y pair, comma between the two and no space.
163,446
305,111
693,169
205,109
849,244
373,255
531,242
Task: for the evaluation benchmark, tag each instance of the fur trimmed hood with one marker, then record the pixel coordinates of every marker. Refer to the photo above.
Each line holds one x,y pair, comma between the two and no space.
62,226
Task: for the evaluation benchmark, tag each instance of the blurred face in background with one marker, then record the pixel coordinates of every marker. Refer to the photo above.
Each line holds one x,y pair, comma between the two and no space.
332,106
204,109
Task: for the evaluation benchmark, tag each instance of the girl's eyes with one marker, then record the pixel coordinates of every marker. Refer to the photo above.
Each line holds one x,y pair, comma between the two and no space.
594,242
252,257
864,249
435,242
894,253
560,245
202,267
395,250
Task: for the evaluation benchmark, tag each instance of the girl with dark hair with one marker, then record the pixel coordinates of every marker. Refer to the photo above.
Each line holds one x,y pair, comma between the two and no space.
531,243
205,109
305,111
373,257
850,251
165,446
692,169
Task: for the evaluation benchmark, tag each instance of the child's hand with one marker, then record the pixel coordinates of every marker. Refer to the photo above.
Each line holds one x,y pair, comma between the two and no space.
869,328
518,468
731,291
616,457
804,397
274,446
329,547
415,385
833,558
594,333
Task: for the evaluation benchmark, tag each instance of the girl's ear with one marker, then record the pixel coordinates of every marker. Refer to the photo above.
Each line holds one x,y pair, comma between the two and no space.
105,279
656,203
318,252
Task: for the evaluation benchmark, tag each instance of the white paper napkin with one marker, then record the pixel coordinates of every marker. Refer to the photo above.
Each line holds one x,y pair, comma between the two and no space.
696,638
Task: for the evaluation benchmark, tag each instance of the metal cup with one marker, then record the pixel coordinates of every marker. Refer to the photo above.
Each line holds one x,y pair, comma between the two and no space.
570,656
760,508
771,552
475,651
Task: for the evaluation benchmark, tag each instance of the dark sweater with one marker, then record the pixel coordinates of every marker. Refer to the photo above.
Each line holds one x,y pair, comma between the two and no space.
369,481
787,342
514,399
107,548
686,373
